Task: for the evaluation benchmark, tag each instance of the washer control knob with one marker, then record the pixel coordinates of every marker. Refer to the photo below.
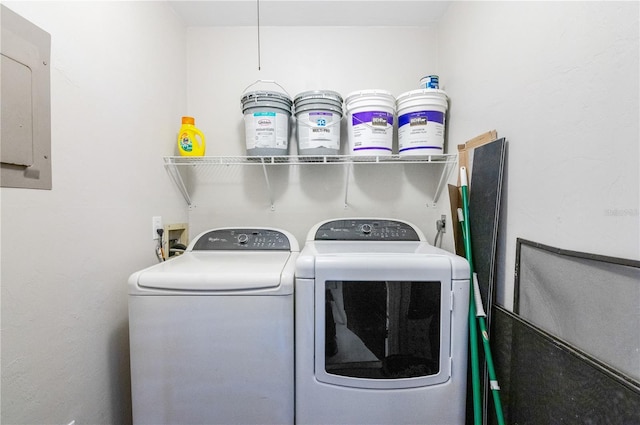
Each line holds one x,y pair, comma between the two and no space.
366,229
243,238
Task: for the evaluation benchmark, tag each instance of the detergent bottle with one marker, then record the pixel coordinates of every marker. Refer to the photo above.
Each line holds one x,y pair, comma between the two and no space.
191,141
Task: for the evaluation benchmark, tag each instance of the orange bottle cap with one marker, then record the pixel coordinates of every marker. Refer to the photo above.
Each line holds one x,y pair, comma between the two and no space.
188,120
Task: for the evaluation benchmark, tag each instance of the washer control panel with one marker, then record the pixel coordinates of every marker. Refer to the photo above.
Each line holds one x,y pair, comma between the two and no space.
242,239
366,229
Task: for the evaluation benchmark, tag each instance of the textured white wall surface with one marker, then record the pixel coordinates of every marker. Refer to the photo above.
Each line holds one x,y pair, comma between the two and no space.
560,81
223,62
117,92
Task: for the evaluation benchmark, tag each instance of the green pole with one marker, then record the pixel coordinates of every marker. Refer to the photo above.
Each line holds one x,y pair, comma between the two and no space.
493,380
473,331
478,309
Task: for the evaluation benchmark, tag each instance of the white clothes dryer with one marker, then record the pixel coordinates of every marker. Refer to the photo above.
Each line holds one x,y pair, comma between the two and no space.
211,331
381,326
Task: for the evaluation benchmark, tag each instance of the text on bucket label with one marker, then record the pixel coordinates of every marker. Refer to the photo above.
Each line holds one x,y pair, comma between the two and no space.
421,130
266,130
319,129
372,130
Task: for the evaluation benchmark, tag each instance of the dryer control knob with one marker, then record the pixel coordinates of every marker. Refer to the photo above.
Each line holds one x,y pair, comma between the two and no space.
243,238
366,228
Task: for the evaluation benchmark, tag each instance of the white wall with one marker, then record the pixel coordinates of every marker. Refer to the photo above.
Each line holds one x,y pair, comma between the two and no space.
560,81
117,94
223,62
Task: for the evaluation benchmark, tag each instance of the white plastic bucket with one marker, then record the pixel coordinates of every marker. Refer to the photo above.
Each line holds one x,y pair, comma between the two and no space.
421,122
430,82
370,115
266,122
318,114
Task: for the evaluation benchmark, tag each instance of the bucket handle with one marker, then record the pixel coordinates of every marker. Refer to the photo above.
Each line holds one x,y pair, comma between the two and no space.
268,82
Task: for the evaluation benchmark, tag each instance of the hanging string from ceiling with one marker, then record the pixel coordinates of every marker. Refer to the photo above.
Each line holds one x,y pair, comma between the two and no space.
258,13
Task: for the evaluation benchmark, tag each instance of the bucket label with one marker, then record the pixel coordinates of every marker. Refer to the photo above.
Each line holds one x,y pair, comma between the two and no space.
371,130
421,132
318,130
266,130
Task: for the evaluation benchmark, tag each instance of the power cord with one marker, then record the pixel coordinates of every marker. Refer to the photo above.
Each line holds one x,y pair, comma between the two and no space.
159,248
440,225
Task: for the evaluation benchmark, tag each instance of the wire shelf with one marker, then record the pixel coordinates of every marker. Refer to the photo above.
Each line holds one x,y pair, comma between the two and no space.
179,167
306,160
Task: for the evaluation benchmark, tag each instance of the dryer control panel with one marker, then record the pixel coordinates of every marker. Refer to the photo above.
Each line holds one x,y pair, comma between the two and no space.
366,229
243,239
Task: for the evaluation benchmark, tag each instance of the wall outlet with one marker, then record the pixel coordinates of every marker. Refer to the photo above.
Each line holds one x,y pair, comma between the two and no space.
156,223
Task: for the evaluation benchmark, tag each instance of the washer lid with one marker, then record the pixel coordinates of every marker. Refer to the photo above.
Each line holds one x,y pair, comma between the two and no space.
218,271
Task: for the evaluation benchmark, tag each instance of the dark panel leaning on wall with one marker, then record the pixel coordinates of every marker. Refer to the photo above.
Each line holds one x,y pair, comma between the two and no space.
589,301
544,380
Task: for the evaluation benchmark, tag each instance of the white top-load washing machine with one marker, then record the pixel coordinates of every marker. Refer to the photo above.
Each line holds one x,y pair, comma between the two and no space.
211,331
381,326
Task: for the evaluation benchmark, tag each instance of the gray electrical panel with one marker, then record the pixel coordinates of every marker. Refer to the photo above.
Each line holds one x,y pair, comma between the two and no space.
25,103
